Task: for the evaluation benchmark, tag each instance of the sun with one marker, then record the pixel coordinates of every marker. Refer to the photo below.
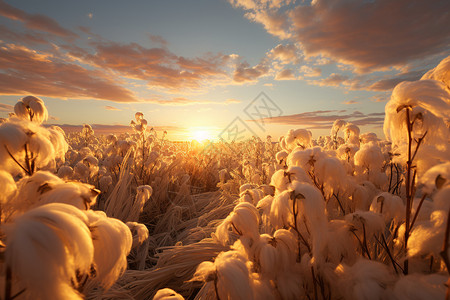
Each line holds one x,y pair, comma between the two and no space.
201,135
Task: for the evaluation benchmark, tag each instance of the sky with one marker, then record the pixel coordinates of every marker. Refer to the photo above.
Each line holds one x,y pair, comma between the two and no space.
217,68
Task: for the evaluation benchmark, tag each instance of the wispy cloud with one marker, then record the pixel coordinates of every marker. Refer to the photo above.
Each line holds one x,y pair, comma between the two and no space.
323,119
350,102
34,21
107,107
6,107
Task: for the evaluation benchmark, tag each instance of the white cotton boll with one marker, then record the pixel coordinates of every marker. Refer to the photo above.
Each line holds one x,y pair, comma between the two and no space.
267,189
81,171
252,196
78,194
311,207
47,248
58,140
427,236
306,159
31,108
266,256
30,189
139,232
346,152
282,178
298,138
351,133
420,287
8,187
390,206
243,220
167,294
368,137
105,182
371,222
440,73
112,243
65,172
366,279
287,248
436,177
331,173
281,156
341,244
280,213
231,274
430,108
87,130
369,158
337,125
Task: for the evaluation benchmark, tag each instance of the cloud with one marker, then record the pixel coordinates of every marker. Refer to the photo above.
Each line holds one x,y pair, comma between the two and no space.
24,38
34,21
53,118
310,72
107,107
332,80
323,119
232,101
158,39
6,107
350,102
286,74
286,54
26,71
368,35
245,73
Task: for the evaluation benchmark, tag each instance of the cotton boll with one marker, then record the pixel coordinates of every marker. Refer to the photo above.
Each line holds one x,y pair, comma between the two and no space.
112,242
337,125
330,173
252,196
368,137
369,158
8,187
58,140
243,220
280,213
436,177
427,236
265,256
440,73
298,138
245,187
78,194
311,207
139,232
341,245
366,279
231,274
305,159
287,249
81,171
420,287
65,172
281,156
47,248
390,206
167,294
351,133
31,108
371,222
282,178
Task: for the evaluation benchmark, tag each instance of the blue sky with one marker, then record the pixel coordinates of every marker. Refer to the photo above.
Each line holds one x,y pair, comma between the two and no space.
196,65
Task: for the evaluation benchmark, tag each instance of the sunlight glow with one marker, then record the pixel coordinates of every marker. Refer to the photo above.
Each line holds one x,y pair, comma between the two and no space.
201,135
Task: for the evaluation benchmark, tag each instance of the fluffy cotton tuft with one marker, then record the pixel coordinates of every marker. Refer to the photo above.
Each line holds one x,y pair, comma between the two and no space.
112,243
47,248
167,294
31,108
390,206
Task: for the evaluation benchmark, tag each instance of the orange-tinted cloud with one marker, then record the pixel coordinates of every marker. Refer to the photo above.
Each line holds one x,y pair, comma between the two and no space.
332,80
368,35
286,74
323,119
34,21
107,107
26,71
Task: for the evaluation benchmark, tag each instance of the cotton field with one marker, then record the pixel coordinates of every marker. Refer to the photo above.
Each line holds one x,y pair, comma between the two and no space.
137,216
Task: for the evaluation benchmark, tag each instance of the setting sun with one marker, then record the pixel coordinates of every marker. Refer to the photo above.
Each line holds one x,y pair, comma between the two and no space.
201,135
